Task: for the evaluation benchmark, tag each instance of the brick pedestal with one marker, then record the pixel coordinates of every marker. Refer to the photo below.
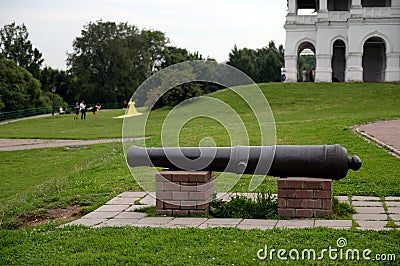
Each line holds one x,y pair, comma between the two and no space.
184,192
304,197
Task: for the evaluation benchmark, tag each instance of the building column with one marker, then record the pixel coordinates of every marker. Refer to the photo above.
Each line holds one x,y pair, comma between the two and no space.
323,72
292,8
356,11
396,3
392,72
323,14
354,69
291,68
356,4
323,6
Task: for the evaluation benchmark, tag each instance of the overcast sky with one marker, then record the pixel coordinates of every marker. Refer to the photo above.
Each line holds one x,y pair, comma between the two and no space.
211,27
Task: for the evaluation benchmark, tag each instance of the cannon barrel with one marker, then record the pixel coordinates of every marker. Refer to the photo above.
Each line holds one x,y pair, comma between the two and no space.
318,161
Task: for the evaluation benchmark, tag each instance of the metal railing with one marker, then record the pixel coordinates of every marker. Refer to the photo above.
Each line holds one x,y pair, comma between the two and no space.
47,110
25,113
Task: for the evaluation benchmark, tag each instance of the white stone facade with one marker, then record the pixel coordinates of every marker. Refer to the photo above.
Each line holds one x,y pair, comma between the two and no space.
353,40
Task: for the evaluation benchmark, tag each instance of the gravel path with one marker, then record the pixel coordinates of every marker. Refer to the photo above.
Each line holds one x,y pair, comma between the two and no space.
26,144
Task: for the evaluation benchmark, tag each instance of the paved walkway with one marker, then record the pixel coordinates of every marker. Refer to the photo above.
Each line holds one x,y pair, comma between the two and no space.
373,214
384,133
27,144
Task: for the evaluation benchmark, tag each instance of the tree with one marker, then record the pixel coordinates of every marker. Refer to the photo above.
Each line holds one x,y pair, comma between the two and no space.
59,79
18,88
172,55
113,58
15,45
261,65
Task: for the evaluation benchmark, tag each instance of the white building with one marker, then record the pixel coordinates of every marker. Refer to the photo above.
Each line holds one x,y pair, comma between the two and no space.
353,40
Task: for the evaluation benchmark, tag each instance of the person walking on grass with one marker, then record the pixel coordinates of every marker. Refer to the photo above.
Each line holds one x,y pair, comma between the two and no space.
96,108
76,110
82,109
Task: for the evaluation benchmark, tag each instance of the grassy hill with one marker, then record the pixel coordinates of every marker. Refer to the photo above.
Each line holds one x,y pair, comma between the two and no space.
305,113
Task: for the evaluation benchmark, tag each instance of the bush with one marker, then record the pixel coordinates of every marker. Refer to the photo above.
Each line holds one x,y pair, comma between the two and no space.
265,206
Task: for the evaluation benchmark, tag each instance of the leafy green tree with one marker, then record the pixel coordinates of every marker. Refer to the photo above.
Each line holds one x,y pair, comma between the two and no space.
172,55
59,79
18,88
113,58
261,65
15,45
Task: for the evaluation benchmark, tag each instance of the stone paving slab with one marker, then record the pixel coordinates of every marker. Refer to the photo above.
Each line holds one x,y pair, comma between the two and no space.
117,222
101,215
295,223
364,210
372,225
395,217
365,198
367,204
392,204
185,222
369,217
395,210
132,194
135,207
338,224
220,222
344,199
154,221
113,208
122,201
130,215
257,224
85,222
392,198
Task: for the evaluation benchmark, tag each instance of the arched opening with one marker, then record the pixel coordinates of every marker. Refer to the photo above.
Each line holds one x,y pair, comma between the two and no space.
374,60
338,61
306,62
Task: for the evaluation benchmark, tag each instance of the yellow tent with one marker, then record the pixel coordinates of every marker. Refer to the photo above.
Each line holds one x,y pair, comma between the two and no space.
131,111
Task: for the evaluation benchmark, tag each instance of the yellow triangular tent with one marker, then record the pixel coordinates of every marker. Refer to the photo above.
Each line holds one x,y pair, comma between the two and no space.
131,111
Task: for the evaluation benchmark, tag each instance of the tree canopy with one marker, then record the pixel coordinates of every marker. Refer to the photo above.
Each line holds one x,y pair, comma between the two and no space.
18,88
261,65
15,45
111,58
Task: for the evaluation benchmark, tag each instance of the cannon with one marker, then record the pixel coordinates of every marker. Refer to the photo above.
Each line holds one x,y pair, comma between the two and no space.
317,161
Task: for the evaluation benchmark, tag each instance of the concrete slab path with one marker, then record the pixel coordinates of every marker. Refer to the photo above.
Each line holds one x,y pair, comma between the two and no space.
374,214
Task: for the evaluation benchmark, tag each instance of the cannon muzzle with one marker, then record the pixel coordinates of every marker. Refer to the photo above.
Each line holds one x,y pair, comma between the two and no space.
319,161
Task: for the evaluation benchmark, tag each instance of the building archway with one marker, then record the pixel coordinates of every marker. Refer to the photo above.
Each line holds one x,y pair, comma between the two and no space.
374,60
306,62
338,61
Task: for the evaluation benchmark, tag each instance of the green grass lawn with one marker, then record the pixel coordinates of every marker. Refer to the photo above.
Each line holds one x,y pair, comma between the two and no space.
65,127
36,180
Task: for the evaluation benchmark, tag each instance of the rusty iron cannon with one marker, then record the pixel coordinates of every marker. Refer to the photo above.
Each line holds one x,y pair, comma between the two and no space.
317,161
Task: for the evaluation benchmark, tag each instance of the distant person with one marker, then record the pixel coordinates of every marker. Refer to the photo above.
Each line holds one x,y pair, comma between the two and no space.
96,108
82,109
76,110
61,110
304,75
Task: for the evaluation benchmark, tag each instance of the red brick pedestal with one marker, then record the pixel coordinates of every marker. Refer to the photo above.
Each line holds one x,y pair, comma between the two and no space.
184,192
304,197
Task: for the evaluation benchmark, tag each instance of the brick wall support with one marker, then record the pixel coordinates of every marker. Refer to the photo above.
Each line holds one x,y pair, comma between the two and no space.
300,197
182,193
